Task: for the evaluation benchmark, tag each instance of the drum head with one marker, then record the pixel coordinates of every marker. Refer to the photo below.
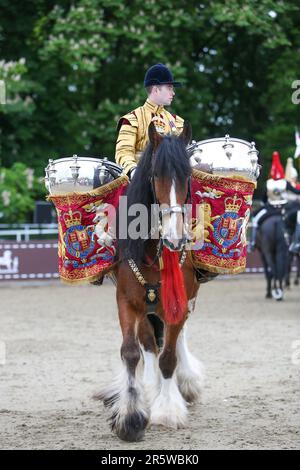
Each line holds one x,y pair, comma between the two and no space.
79,173
225,156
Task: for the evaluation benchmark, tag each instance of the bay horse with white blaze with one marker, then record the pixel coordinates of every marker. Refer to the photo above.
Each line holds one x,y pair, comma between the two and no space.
154,275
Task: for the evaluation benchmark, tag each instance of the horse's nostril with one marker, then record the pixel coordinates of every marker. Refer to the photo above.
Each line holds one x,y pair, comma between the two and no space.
176,245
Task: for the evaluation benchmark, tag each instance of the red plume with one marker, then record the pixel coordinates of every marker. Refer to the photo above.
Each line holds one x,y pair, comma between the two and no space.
277,171
174,298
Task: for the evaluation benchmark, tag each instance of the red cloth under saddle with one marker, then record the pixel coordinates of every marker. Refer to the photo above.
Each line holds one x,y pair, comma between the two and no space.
220,213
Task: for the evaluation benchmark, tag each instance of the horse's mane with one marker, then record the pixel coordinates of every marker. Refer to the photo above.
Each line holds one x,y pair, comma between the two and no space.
169,162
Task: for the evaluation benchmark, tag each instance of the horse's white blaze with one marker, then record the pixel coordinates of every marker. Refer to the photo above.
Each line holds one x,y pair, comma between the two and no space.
173,219
189,371
151,375
169,409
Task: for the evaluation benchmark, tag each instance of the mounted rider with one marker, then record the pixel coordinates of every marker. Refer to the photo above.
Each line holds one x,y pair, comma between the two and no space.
279,190
293,206
133,127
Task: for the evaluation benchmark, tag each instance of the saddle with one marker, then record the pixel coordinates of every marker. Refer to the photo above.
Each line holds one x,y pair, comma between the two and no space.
271,211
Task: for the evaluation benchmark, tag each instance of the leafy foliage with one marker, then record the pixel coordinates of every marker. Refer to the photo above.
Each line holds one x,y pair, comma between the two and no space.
73,68
19,189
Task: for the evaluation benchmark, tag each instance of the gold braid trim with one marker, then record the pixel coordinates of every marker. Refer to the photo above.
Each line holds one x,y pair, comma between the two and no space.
93,277
228,182
225,266
84,280
210,262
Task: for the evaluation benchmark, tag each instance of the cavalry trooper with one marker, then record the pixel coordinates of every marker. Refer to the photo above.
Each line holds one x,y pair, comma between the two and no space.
293,210
279,191
133,127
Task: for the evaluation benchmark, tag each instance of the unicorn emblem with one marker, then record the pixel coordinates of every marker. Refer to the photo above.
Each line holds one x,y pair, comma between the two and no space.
102,229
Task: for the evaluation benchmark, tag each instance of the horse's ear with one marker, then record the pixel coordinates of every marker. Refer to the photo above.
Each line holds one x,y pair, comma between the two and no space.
154,137
186,134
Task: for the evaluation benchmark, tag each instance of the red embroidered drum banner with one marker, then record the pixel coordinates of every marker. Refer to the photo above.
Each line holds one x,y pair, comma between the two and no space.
86,245
221,205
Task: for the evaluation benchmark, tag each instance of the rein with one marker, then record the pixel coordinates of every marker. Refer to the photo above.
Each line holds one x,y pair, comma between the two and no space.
168,210
151,295
139,276
173,209
173,293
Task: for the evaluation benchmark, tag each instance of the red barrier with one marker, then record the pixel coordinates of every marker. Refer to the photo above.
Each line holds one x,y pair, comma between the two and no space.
28,260
38,260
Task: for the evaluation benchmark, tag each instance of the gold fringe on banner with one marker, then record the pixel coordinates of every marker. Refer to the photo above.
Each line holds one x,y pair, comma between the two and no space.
83,255
224,248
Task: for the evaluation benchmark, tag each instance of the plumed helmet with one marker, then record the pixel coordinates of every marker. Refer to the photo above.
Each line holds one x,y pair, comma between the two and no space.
290,171
159,74
294,173
277,171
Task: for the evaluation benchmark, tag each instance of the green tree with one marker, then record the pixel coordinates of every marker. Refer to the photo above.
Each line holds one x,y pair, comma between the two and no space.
85,62
19,189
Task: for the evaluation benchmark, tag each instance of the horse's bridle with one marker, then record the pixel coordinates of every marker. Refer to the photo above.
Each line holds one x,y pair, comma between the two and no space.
151,290
170,210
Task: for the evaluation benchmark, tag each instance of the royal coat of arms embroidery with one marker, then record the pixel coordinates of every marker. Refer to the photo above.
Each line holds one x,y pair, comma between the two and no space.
86,247
222,206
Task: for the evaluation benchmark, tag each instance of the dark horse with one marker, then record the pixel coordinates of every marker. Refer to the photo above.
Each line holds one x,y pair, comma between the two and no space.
273,247
290,220
155,388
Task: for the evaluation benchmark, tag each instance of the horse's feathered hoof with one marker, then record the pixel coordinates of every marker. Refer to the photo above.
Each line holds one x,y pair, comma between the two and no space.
132,428
277,294
169,408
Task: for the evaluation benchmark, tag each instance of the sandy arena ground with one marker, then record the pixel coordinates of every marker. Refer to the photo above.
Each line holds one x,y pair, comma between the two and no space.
62,345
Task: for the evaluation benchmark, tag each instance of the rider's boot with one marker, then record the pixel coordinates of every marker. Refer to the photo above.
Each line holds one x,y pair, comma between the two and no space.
252,243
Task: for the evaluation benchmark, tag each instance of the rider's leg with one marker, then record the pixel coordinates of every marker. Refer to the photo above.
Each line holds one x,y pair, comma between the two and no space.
255,225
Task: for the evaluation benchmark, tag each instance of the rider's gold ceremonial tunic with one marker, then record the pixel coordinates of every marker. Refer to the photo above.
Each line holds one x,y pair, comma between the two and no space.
133,131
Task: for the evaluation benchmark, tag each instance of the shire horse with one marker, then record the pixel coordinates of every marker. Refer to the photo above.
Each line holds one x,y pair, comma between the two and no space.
160,376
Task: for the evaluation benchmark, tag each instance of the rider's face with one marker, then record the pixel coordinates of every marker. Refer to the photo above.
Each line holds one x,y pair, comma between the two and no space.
164,94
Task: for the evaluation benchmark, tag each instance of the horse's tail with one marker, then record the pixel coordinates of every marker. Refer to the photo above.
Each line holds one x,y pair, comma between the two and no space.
174,298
